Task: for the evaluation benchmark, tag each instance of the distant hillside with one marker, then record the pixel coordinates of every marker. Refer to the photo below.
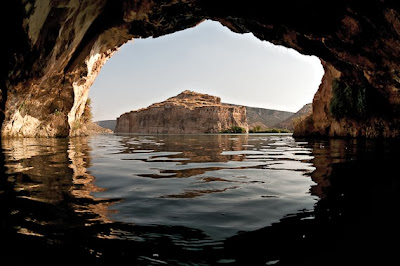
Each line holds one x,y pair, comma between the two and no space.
265,118
289,122
93,128
110,124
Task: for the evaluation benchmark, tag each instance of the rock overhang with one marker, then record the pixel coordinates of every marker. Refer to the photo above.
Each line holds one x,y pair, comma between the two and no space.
56,49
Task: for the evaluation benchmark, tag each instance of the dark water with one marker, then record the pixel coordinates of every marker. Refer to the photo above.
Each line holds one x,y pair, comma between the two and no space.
199,200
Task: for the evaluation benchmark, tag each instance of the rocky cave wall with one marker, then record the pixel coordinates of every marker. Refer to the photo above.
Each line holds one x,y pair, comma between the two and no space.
55,48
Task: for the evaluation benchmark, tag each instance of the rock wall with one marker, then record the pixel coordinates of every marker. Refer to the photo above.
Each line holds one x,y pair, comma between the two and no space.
378,120
54,66
53,51
188,113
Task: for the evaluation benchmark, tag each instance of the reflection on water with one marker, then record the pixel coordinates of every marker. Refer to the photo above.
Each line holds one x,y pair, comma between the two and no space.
198,199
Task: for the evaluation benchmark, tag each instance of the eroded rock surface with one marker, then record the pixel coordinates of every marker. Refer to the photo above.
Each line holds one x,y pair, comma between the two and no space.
53,50
189,113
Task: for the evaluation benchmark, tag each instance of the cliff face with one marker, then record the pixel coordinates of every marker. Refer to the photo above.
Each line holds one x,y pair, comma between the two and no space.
55,49
345,109
264,118
188,112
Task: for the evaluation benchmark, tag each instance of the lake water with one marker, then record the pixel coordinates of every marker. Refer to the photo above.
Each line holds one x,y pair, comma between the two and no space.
199,200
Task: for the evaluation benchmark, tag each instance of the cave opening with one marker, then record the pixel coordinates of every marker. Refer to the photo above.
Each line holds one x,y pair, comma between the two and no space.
55,49
209,59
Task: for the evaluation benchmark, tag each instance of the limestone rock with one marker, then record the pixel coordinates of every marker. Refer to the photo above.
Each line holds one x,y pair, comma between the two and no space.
189,113
54,50
378,123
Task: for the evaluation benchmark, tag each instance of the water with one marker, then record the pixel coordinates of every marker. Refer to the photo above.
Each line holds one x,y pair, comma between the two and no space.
199,200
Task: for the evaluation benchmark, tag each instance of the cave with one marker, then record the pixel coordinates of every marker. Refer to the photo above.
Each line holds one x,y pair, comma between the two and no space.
55,49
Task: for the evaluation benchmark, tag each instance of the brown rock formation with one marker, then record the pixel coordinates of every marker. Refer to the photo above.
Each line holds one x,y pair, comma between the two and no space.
189,112
53,51
376,119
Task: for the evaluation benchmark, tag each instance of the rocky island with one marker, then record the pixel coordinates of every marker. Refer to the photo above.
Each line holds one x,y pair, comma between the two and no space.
189,113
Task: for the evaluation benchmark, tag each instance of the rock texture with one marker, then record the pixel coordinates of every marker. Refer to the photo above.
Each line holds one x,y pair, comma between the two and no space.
189,113
53,50
380,120
261,117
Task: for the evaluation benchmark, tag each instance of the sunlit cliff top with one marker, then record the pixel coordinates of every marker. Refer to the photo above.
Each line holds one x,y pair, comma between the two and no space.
189,99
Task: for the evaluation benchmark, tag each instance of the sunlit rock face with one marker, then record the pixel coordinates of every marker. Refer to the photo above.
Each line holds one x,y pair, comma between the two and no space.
189,113
54,50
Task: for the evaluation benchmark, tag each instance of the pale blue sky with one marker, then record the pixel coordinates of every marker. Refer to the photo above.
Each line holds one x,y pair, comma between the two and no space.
210,59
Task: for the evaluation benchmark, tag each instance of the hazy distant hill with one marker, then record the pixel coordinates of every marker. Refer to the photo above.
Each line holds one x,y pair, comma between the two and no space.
93,128
110,124
289,122
265,118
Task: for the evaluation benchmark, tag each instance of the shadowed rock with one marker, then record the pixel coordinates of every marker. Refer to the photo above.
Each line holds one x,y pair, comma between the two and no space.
55,49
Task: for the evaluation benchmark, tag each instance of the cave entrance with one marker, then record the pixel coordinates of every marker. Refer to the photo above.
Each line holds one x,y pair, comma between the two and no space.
208,58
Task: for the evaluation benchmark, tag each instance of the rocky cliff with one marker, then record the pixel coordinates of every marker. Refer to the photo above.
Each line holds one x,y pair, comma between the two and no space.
347,109
189,113
53,51
261,117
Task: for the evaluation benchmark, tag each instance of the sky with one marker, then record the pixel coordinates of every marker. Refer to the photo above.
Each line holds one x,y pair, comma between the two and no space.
208,58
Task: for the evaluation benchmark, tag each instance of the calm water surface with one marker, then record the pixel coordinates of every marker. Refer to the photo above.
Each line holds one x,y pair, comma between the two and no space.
199,200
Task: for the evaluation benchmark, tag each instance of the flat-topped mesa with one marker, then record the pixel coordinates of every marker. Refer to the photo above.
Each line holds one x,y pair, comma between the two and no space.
190,99
187,113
